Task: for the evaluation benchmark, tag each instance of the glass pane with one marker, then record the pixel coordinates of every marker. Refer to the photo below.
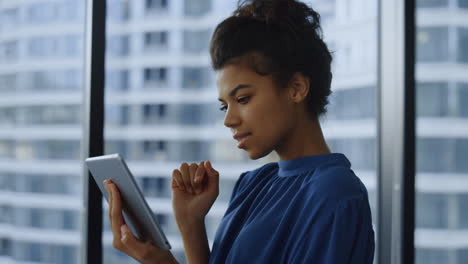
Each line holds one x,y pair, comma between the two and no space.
41,69
350,30
442,143
161,106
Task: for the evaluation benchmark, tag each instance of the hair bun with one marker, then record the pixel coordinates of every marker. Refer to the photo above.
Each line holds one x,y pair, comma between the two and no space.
295,15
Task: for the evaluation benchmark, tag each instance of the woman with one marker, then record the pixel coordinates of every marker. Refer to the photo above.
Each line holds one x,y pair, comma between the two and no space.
273,79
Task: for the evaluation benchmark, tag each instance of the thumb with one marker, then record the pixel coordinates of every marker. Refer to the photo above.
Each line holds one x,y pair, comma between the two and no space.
213,174
129,241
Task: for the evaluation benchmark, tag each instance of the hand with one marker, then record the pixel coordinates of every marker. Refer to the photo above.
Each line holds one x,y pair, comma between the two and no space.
194,190
124,240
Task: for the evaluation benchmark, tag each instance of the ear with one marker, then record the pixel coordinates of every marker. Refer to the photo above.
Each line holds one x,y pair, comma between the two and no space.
299,86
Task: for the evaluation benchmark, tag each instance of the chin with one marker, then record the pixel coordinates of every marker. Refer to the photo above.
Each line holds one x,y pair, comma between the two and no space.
254,155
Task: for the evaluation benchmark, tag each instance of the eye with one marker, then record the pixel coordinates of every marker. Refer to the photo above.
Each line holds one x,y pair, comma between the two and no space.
243,100
223,108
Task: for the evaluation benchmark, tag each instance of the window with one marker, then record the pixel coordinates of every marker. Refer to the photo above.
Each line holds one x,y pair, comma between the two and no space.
432,99
9,50
154,113
196,41
155,77
463,209
431,256
7,116
152,5
462,99
117,80
432,210
463,3
197,7
155,187
41,13
461,164
8,17
118,10
432,44
118,46
462,44
195,77
356,103
8,82
435,154
156,40
57,114
40,87
432,3
117,115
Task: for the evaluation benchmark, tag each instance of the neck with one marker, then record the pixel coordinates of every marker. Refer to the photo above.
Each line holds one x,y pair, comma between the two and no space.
305,139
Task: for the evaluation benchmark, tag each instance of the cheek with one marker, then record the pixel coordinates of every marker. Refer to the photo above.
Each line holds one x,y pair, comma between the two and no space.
270,121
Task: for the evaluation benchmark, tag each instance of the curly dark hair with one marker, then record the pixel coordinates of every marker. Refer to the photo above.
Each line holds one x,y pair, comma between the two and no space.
278,38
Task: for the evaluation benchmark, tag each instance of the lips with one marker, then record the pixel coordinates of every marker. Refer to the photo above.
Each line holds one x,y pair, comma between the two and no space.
241,138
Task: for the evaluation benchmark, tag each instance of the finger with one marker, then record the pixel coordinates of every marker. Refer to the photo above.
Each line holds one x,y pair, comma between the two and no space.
198,179
177,181
116,211
184,169
136,248
193,170
213,176
132,245
109,210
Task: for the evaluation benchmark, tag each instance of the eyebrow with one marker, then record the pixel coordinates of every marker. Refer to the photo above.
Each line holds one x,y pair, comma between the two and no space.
234,91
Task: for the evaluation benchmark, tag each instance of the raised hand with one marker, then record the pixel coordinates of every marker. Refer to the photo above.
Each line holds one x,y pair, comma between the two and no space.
195,187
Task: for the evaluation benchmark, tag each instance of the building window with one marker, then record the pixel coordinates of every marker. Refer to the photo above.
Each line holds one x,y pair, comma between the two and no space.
156,40
118,10
153,5
195,77
461,150
432,44
360,151
8,82
155,77
462,45
356,103
8,17
432,210
463,99
432,99
117,115
154,187
43,13
117,80
435,154
9,50
196,41
431,256
118,46
7,116
197,7
432,3
463,3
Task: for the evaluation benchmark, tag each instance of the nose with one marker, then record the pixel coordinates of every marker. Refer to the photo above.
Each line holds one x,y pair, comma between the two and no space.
231,119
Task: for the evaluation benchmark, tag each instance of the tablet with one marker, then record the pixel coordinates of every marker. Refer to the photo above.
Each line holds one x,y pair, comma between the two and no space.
136,212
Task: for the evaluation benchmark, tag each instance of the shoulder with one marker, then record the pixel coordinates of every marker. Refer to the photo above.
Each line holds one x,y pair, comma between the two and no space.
338,184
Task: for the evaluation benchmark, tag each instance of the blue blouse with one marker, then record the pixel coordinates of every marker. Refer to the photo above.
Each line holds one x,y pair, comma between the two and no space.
308,210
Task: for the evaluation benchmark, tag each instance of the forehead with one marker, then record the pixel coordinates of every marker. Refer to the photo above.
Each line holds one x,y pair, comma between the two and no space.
233,75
